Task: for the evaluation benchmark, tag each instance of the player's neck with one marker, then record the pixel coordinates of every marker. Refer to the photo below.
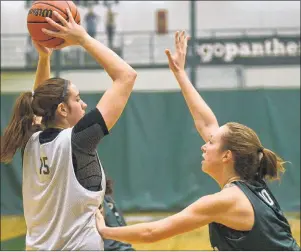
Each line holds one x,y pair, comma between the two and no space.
57,126
230,180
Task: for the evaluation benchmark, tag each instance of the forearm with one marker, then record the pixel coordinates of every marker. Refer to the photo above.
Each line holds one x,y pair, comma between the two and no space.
114,100
116,67
153,231
202,115
138,233
43,71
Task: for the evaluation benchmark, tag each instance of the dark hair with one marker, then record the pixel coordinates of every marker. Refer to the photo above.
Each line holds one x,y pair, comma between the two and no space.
109,187
42,103
251,159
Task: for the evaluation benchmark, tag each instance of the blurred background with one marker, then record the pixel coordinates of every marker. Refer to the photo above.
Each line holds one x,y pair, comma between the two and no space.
244,58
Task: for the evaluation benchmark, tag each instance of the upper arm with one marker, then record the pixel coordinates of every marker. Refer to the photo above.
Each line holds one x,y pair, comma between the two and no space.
88,132
198,214
206,131
114,100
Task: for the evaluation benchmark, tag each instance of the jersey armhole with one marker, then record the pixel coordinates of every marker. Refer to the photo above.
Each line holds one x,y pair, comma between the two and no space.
254,211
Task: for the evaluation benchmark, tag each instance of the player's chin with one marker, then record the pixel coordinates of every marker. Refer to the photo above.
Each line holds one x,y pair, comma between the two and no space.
203,166
78,118
82,115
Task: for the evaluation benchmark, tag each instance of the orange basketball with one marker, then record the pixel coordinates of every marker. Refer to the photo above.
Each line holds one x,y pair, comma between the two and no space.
36,20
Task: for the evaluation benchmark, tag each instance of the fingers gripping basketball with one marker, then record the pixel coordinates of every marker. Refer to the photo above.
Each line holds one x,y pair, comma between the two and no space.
36,20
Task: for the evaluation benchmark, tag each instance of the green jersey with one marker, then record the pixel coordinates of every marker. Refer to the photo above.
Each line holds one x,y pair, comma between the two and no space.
114,218
271,230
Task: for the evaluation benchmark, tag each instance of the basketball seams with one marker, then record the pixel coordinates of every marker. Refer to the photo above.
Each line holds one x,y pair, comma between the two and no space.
46,39
71,10
68,5
41,22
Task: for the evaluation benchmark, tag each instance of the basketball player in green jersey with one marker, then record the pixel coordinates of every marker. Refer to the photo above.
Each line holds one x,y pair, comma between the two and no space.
244,215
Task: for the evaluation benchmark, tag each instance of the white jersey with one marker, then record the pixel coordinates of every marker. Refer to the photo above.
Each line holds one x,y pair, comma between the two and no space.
59,212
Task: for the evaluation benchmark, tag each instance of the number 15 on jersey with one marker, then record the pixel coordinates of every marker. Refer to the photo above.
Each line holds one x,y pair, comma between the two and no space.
44,168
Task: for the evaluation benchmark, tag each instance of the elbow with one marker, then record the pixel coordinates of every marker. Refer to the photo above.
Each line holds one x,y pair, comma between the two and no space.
128,77
131,76
133,73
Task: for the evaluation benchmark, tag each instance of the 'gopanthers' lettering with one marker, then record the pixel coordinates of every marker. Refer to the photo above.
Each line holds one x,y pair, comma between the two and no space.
41,12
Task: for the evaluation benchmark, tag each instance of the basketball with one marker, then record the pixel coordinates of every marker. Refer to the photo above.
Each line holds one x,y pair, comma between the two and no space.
36,20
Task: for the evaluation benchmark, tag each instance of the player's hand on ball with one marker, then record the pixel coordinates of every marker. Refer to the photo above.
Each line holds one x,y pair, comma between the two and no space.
177,60
42,50
100,222
71,32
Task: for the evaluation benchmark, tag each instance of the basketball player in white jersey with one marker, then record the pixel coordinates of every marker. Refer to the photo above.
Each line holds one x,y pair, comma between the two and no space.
63,180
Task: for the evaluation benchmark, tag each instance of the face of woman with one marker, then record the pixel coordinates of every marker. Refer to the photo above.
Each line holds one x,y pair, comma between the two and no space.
213,153
76,107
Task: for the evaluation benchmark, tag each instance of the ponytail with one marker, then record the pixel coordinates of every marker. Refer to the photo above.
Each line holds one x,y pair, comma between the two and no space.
271,166
19,129
21,126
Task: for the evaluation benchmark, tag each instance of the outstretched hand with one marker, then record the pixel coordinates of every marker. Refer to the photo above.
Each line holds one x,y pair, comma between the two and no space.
70,31
177,60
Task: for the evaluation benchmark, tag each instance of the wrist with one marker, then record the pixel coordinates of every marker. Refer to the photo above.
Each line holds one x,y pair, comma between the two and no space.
180,73
84,39
102,232
44,57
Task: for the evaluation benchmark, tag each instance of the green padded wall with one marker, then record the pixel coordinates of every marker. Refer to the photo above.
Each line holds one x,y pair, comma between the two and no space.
153,152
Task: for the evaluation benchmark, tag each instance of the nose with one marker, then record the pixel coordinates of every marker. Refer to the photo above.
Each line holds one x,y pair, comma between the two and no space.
203,148
84,106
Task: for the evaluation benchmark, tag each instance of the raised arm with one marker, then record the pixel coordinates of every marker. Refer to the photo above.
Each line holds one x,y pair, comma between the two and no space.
123,75
43,68
204,119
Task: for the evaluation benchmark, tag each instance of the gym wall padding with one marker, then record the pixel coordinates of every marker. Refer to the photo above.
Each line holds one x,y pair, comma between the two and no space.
153,152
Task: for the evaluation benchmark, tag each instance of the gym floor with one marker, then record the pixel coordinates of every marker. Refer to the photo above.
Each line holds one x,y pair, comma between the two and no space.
13,231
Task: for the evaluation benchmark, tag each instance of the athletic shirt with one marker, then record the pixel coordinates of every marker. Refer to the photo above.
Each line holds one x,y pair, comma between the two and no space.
271,230
59,210
114,218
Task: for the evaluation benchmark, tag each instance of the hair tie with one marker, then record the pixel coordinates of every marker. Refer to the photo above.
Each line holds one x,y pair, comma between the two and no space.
260,149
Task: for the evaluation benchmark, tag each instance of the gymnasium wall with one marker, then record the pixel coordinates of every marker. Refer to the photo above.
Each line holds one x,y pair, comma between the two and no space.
155,159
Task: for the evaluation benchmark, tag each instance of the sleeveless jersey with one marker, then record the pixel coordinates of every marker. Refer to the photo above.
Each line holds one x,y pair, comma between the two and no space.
271,230
59,212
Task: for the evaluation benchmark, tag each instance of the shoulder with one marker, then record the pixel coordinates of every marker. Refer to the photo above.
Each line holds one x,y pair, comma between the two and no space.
215,203
223,201
231,194
227,195
91,118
